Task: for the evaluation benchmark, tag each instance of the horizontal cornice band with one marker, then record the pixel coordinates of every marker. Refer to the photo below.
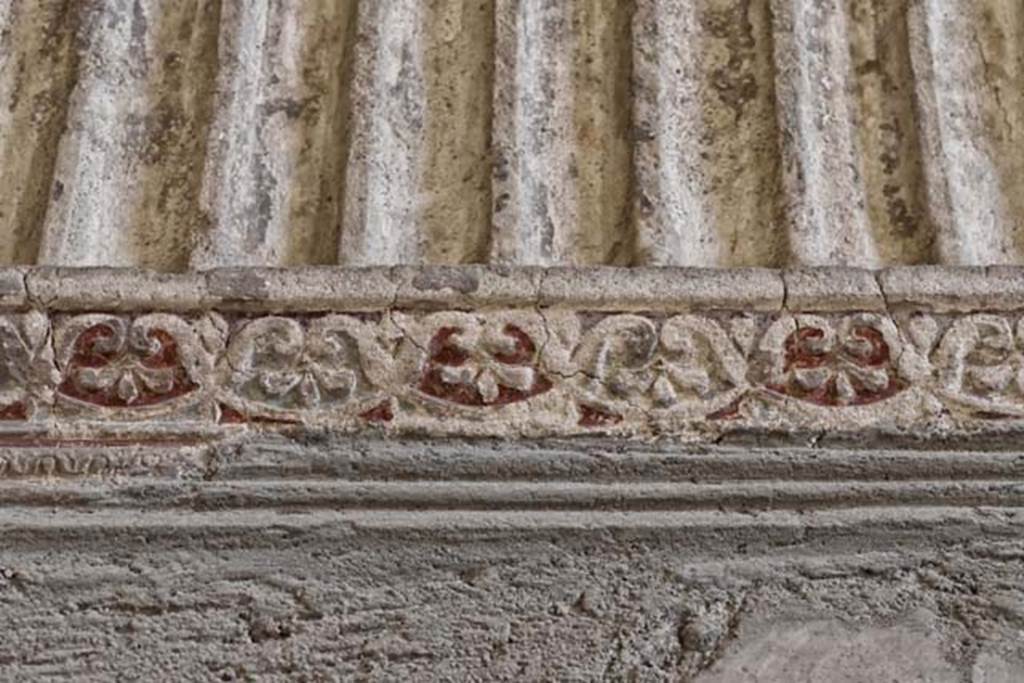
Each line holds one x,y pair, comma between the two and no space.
703,355
315,289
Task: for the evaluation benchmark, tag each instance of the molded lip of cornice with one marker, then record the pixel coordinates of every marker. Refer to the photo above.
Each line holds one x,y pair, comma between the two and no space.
273,473
598,289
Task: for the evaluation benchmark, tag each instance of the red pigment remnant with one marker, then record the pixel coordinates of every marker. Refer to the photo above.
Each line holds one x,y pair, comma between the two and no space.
803,353
444,351
167,355
728,413
230,416
89,347
989,415
97,349
381,413
595,417
522,353
16,412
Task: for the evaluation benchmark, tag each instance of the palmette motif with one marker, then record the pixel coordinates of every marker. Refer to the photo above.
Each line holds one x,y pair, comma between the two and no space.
470,362
284,368
981,361
566,371
27,371
631,364
836,363
131,366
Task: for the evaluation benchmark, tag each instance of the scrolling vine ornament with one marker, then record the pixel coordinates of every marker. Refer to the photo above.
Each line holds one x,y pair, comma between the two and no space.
685,366
127,365
283,368
849,362
494,371
468,361
27,372
982,364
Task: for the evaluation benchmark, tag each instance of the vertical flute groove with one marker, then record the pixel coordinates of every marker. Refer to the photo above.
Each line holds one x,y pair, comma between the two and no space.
270,189
534,207
824,188
562,168
967,63
722,133
126,178
38,68
379,224
890,145
706,134
417,187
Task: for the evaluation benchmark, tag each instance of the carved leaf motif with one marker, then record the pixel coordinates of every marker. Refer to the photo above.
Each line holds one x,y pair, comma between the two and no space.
832,364
98,379
691,379
27,371
279,364
480,364
309,391
983,363
743,330
279,383
990,379
117,362
127,390
336,380
924,332
688,364
156,380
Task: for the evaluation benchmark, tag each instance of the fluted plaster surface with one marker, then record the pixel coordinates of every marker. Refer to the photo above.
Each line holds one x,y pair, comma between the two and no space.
172,135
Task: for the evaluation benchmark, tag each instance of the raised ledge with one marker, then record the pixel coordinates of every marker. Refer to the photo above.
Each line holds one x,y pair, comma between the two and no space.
320,289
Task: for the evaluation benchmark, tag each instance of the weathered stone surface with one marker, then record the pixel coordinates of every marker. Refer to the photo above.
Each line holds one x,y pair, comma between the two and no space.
808,650
705,133
964,57
474,456
309,555
273,161
655,132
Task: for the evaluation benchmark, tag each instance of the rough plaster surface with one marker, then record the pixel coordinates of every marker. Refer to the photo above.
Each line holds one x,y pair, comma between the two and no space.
363,559
167,134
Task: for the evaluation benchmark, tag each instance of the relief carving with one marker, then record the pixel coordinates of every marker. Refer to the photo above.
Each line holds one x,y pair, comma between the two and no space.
686,365
631,372
281,367
27,372
848,362
475,361
982,363
125,364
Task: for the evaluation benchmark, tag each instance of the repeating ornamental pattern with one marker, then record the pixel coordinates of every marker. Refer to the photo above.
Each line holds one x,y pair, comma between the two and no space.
844,362
124,365
981,364
478,362
533,371
686,365
27,372
281,367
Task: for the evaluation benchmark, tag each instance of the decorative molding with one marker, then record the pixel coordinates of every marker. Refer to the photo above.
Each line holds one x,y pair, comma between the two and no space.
685,356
